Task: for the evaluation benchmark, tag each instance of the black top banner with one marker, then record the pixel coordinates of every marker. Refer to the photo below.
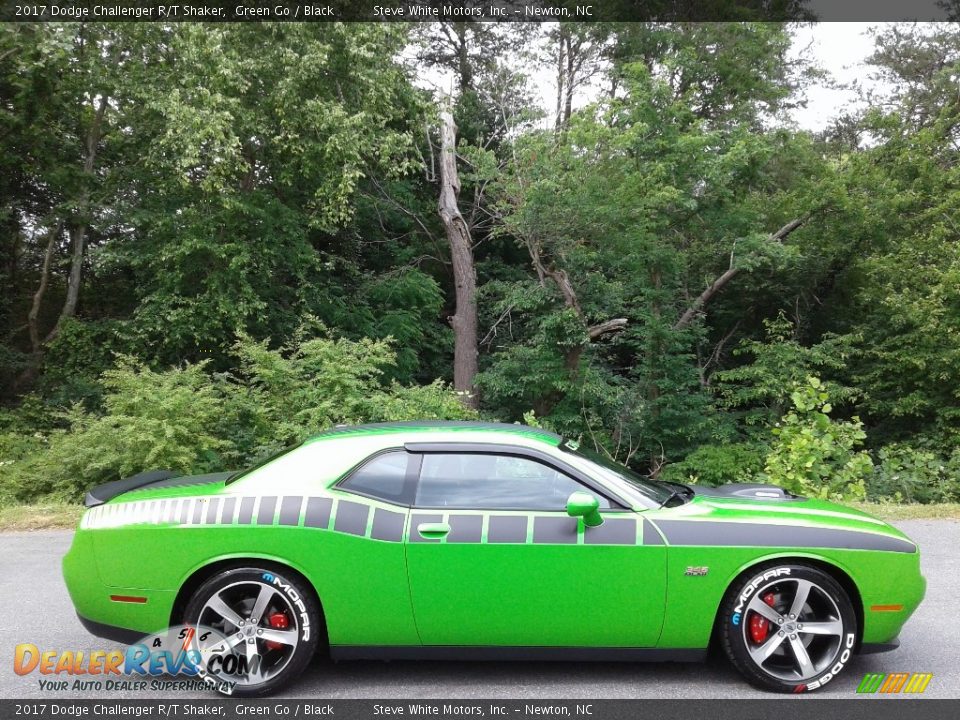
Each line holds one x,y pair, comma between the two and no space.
477,10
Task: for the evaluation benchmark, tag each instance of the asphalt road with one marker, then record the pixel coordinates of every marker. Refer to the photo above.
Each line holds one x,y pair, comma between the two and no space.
37,609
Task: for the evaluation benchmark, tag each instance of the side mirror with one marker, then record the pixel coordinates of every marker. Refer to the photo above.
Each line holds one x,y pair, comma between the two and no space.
585,505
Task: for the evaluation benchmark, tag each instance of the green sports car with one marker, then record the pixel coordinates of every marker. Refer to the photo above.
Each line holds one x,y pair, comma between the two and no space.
486,541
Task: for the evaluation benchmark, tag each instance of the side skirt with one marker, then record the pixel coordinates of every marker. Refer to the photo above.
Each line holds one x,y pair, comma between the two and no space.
524,653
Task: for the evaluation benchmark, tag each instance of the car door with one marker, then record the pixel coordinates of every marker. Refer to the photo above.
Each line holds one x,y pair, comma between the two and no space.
367,601
494,560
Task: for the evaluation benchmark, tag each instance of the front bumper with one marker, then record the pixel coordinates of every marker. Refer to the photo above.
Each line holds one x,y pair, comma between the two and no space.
873,648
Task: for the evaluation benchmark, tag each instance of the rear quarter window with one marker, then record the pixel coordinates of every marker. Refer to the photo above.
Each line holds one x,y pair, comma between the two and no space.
383,477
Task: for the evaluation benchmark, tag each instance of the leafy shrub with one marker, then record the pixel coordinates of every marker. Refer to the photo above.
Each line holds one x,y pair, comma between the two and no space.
910,474
718,464
813,455
152,420
189,420
73,362
418,402
760,388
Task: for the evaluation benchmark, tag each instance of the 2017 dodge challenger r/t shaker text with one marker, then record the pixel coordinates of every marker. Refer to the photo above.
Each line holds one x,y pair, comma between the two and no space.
485,541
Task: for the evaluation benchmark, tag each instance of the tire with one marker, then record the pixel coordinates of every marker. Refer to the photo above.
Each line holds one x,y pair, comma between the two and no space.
269,653
767,631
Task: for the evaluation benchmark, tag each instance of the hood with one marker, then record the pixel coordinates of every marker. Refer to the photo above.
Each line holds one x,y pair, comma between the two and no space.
769,505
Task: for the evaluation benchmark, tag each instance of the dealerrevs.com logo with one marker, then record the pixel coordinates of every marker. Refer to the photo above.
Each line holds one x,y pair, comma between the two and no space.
195,657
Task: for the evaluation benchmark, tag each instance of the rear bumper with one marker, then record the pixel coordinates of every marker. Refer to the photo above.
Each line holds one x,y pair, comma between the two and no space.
101,607
110,632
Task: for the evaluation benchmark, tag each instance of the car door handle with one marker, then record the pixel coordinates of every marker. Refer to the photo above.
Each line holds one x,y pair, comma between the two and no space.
433,530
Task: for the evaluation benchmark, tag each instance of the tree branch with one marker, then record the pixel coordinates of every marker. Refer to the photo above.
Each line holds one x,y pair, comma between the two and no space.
605,328
729,274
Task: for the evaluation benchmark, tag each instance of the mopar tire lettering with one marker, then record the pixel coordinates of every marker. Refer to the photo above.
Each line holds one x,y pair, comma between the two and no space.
296,600
754,584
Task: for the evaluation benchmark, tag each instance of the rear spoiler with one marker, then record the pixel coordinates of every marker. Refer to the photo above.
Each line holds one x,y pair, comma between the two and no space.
102,493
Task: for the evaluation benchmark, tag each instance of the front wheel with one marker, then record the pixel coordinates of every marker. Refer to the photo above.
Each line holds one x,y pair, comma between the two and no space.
270,624
788,628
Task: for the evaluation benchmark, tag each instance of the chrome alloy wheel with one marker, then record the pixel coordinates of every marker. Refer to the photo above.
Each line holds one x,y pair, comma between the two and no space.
260,627
800,629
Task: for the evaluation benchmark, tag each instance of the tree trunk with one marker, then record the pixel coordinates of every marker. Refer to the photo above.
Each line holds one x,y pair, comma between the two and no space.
561,69
463,58
464,321
543,406
78,232
572,61
34,313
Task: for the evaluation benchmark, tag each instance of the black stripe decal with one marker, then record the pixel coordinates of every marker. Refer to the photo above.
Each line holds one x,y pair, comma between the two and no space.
465,529
650,534
680,532
226,517
318,512
212,506
416,520
246,511
351,518
387,525
290,510
613,532
507,529
268,506
185,510
197,511
554,530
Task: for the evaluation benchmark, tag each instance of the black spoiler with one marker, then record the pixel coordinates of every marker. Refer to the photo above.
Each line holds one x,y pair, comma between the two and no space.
102,493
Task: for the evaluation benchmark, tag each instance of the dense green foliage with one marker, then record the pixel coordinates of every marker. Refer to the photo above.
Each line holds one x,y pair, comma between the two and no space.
217,240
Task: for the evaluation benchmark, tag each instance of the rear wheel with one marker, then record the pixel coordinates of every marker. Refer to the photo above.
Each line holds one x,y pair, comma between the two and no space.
788,628
270,623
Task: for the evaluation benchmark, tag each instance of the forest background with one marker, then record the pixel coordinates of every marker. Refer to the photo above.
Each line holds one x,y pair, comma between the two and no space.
218,240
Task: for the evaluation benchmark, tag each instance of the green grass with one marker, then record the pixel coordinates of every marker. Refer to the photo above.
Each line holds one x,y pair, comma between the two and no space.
55,516
893,511
42,516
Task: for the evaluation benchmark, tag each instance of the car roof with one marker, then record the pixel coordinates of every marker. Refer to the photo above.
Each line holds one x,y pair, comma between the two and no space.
498,432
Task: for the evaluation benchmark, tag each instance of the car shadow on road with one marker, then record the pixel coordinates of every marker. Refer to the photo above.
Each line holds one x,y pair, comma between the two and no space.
415,680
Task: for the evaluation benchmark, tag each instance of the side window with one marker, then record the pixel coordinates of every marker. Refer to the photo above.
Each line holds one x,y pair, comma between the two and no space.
383,477
493,482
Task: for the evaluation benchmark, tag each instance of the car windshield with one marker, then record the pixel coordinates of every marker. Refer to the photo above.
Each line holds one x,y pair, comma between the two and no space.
618,474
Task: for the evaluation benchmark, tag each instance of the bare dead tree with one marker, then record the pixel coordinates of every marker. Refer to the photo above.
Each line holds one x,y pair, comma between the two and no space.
464,320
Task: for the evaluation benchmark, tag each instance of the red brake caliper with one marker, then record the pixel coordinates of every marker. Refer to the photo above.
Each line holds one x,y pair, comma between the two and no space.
278,621
759,625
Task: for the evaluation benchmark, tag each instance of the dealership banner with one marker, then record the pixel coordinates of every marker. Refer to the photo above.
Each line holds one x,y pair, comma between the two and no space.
475,10
783,709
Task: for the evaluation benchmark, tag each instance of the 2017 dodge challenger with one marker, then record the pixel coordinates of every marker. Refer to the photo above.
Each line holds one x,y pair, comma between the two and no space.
485,541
